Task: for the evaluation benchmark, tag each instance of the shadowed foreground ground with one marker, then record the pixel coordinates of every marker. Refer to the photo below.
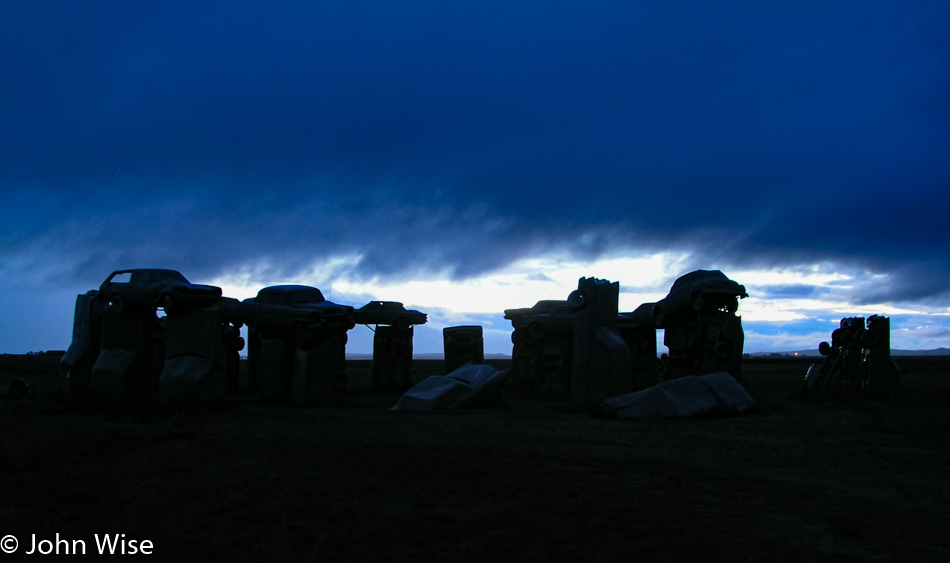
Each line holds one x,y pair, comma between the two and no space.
804,481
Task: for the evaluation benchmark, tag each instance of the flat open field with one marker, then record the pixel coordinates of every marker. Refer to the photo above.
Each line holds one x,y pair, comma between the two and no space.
801,481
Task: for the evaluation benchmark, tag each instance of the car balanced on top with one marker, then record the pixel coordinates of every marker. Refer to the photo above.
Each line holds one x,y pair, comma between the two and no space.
154,288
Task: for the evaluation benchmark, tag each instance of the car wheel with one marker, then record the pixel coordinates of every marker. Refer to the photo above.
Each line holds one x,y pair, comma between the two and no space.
577,300
17,389
117,302
535,330
870,338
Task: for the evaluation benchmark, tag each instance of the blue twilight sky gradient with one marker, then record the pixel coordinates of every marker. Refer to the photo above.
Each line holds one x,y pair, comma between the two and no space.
386,142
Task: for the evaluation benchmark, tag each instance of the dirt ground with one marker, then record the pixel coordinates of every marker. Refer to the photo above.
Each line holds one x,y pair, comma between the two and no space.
804,480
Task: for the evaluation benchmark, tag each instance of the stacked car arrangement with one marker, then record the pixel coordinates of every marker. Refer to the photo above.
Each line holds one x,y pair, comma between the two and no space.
124,354
581,349
857,360
585,349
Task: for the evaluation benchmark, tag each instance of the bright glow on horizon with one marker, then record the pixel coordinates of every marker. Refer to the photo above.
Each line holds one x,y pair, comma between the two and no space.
483,300
521,284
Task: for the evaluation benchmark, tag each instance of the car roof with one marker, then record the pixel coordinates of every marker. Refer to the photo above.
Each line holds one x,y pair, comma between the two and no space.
698,275
137,274
289,295
393,305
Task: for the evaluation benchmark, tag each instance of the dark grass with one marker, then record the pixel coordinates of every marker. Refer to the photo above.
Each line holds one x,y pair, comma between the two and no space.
803,480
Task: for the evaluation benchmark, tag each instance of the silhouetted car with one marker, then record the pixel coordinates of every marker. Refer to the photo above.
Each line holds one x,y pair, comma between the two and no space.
388,313
702,289
545,316
16,388
288,295
296,303
154,288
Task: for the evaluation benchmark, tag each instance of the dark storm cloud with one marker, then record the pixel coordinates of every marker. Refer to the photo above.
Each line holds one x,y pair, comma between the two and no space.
463,136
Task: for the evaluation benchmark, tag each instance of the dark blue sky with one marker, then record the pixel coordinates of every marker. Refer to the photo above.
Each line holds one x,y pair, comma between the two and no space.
457,138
